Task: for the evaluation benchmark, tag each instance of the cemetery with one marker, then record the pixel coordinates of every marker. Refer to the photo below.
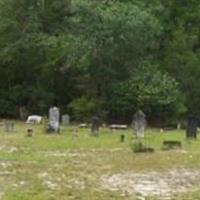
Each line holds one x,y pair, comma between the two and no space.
100,100
134,163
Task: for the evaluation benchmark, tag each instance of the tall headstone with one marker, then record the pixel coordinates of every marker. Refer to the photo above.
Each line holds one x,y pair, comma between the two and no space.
23,113
95,124
192,124
54,120
65,119
139,122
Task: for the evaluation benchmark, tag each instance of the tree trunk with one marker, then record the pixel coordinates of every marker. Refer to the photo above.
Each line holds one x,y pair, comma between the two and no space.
192,124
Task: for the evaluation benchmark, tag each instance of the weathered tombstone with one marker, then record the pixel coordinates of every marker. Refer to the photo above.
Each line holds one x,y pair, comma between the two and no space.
178,125
95,124
23,113
139,122
54,117
192,125
9,126
65,119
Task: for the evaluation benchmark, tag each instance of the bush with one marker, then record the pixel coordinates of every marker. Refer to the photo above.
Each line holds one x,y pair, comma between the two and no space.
82,108
139,147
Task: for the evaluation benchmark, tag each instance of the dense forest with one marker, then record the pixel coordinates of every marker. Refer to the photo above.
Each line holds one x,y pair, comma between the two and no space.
105,57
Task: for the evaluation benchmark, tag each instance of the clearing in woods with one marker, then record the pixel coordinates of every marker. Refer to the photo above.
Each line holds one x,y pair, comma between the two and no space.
82,167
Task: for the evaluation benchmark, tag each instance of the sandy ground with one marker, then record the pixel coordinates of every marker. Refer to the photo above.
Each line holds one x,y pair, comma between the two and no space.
162,185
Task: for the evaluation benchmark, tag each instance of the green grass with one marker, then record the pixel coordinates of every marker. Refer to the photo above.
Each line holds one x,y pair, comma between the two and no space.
75,165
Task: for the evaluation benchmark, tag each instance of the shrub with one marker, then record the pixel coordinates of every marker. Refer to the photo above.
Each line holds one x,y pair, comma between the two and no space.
82,108
139,147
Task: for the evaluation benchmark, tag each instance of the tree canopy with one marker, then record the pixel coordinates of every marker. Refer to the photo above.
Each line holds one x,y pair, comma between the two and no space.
107,57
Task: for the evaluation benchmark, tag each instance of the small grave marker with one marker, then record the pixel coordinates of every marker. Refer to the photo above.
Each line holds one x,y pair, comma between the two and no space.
9,126
65,119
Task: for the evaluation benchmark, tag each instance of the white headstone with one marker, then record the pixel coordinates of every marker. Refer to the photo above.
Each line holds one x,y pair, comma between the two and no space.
139,123
65,119
54,119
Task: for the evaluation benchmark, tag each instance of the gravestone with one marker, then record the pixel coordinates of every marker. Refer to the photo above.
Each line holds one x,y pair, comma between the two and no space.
23,113
54,117
65,119
178,125
139,122
95,124
9,127
192,124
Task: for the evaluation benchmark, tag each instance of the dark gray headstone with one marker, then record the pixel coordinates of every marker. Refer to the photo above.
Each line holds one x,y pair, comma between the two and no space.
23,113
95,124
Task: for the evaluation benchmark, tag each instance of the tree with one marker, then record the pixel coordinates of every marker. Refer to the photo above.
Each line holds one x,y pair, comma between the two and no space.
148,89
181,54
116,38
33,47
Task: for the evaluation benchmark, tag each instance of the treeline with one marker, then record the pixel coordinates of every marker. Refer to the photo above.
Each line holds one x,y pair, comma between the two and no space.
105,57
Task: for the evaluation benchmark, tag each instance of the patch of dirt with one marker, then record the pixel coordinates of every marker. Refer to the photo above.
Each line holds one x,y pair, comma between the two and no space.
54,183
65,154
5,165
48,180
19,184
69,153
12,149
162,185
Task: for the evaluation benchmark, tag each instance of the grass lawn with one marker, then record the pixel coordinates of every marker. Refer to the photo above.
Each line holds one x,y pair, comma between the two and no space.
64,167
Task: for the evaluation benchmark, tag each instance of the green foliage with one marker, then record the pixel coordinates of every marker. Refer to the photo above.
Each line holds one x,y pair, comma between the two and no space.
181,48
139,147
149,89
33,47
82,108
57,51
109,53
